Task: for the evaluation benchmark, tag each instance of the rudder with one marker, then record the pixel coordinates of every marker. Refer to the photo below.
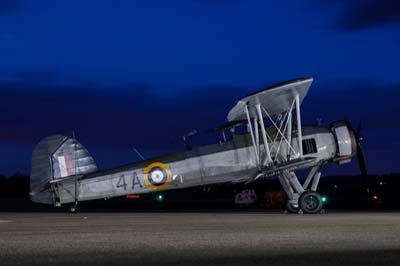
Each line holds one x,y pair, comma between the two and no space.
55,157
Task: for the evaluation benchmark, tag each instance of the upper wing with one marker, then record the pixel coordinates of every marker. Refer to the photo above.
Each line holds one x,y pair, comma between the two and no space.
228,125
276,99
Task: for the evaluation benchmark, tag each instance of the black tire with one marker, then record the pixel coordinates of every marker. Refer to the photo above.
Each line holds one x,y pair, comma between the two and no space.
290,208
72,209
310,202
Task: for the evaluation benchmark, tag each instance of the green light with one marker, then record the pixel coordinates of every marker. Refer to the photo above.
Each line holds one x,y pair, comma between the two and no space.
324,199
160,197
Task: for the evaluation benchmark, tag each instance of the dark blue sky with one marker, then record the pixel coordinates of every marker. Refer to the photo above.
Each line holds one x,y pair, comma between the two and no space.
142,73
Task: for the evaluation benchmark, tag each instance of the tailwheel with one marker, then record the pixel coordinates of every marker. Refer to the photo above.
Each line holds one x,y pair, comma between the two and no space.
73,209
291,207
310,202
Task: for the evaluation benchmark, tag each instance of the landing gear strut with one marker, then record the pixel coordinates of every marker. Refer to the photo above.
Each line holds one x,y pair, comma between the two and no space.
74,208
302,198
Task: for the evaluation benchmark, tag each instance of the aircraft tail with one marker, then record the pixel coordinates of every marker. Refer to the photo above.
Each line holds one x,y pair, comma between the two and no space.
55,157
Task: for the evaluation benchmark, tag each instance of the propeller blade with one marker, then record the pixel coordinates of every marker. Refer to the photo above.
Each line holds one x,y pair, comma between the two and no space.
361,158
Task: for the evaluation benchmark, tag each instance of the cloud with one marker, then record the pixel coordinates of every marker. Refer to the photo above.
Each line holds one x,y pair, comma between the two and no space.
151,117
154,116
143,114
46,75
362,14
372,102
108,120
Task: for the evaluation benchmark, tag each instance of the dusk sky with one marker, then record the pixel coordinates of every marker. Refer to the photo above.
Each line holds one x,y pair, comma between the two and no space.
124,74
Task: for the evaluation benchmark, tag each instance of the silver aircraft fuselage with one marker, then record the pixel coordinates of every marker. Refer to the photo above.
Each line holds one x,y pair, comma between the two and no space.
230,161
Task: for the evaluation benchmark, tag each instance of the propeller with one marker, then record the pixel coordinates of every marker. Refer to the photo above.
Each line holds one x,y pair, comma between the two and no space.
360,157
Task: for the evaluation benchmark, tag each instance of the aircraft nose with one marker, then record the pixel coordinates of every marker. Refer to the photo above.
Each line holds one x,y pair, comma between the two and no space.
345,141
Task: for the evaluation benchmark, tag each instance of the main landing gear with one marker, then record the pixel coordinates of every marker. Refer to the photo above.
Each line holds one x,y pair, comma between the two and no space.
302,198
310,202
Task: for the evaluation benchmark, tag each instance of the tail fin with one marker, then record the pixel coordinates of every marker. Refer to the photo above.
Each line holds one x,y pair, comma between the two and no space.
55,157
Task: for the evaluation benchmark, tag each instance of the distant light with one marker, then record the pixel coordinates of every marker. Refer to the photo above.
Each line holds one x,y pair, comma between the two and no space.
375,197
160,197
133,196
324,199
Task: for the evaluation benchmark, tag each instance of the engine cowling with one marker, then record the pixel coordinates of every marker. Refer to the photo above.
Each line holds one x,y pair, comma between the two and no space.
345,141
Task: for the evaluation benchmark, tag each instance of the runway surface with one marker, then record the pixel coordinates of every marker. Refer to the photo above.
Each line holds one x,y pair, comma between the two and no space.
187,238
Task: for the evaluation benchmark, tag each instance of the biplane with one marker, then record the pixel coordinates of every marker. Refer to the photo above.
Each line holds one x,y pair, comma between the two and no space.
273,143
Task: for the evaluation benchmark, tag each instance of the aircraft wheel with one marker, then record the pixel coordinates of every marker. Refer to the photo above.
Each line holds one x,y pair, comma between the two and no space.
310,202
72,209
291,208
